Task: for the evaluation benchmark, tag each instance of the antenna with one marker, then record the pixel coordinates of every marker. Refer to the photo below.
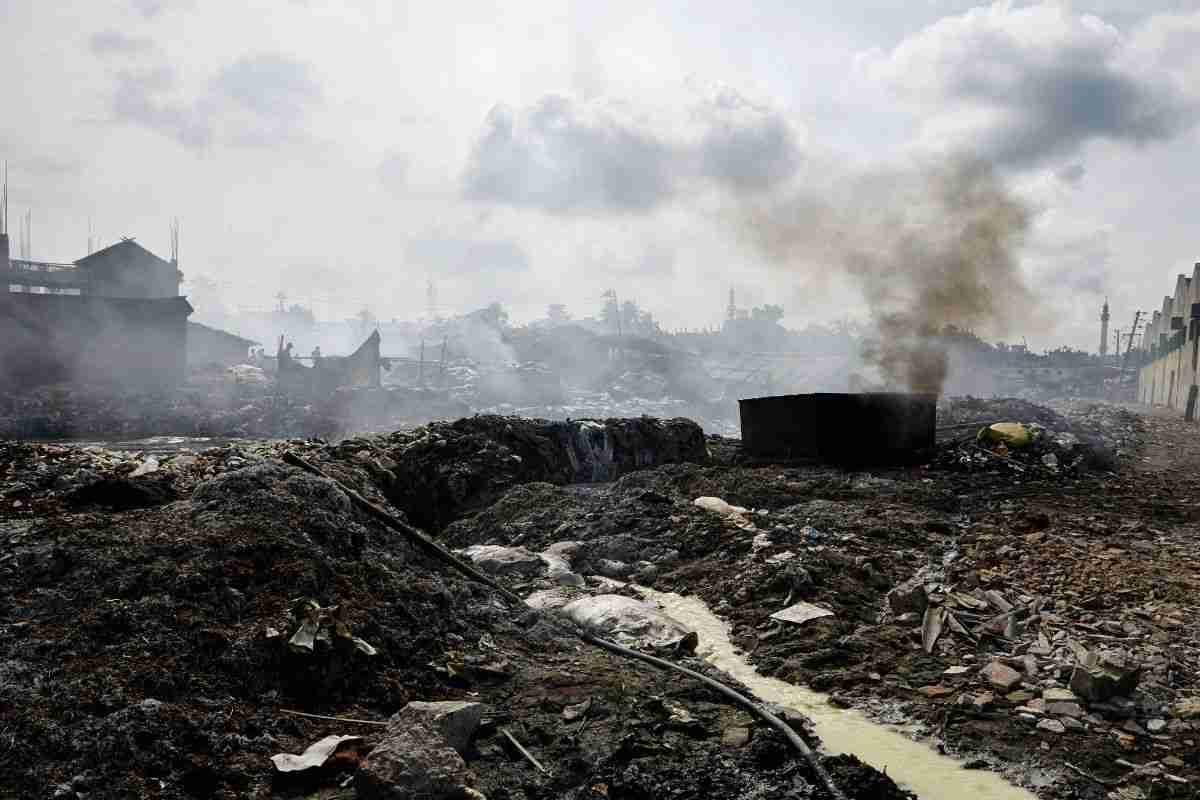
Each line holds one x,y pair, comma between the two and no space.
175,241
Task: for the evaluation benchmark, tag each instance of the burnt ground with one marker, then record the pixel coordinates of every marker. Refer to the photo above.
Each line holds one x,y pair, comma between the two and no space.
1096,560
144,628
142,651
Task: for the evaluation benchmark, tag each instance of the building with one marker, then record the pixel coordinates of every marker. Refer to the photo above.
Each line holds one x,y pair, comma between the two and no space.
210,346
1170,348
126,343
125,269
114,317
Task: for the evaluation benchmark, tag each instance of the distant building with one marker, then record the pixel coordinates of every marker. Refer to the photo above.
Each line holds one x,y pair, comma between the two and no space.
113,317
208,346
1170,348
125,269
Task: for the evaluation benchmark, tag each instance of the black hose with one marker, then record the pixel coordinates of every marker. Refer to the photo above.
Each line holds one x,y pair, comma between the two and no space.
422,540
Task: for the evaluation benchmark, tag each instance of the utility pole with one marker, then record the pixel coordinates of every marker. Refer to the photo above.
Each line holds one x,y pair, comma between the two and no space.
1137,321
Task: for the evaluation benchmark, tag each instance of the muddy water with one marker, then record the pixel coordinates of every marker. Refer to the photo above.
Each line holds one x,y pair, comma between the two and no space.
911,764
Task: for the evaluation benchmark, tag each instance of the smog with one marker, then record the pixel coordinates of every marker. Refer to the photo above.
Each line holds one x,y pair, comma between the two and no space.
928,247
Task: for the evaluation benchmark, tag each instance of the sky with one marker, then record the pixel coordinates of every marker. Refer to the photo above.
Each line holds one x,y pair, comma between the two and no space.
348,152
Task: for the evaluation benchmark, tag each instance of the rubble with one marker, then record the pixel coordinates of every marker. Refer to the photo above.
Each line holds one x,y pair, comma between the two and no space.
173,617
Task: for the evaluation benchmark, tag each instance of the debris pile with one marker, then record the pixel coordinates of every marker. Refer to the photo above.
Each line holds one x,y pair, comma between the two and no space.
1020,437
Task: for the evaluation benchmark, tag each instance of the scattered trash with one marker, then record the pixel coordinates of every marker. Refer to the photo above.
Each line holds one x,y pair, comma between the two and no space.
316,756
322,625
800,613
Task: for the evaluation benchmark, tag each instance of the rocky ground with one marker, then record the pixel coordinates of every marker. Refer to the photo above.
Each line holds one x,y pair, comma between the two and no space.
1027,611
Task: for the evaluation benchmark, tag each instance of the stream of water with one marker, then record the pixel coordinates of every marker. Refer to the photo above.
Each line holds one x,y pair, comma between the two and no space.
913,765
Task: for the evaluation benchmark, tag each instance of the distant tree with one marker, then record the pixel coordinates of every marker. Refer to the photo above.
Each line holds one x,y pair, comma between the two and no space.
767,313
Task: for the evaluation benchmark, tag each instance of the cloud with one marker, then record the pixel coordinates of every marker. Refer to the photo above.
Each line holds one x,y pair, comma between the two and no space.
141,98
107,43
271,86
1025,85
746,146
467,256
260,101
564,156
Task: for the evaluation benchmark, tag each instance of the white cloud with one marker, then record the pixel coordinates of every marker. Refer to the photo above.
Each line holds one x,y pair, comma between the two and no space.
1027,85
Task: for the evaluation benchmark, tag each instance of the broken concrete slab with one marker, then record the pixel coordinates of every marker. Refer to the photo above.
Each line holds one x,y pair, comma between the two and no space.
413,760
909,597
1104,677
1001,676
456,720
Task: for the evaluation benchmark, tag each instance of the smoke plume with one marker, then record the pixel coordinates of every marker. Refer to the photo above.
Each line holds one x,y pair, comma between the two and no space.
928,247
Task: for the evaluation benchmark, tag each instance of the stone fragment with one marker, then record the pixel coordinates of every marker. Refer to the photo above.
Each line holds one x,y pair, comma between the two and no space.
934,692
1187,709
983,701
1071,724
1156,725
1051,726
998,601
956,671
1132,727
1019,697
1104,677
1057,695
413,760
1061,709
735,737
456,720
1029,664
1001,676
909,597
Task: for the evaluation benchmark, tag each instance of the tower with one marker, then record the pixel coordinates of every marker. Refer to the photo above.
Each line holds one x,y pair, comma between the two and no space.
731,312
1104,329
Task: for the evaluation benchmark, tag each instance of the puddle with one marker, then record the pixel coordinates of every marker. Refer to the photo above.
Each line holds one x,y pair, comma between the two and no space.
914,765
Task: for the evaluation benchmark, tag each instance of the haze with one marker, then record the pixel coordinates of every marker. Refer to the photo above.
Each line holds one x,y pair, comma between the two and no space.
535,153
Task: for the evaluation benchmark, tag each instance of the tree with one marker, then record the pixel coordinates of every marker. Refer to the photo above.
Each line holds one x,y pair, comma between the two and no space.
767,313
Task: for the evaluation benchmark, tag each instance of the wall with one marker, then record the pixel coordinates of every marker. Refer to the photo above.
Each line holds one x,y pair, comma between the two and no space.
126,343
207,345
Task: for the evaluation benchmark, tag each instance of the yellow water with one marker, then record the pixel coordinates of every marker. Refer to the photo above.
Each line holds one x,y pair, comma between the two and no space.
911,764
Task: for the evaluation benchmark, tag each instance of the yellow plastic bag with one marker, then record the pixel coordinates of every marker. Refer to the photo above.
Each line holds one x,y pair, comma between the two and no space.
1013,435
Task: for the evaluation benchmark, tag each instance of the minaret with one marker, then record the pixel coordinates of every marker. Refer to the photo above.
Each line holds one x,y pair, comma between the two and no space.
1104,329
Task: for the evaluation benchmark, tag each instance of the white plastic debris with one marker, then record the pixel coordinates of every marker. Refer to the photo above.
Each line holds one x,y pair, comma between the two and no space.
626,620
314,757
735,514
801,613
145,468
